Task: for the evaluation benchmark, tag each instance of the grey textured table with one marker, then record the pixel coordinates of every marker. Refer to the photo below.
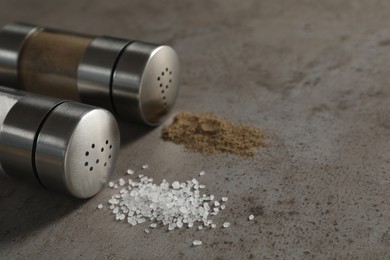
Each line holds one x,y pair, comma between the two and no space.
314,74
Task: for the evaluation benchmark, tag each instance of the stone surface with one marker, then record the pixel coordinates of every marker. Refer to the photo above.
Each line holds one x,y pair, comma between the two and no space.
314,74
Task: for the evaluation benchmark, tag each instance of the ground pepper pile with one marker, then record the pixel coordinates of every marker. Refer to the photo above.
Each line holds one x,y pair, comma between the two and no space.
208,134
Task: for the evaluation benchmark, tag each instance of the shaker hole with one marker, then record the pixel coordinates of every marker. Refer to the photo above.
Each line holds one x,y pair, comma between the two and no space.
164,97
93,145
170,73
158,78
170,81
97,161
86,153
162,91
90,169
110,146
105,164
102,150
161,85
106,141
109,157
86,163
162,73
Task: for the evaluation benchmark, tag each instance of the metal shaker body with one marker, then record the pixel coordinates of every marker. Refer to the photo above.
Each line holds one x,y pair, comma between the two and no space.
61,145
136,80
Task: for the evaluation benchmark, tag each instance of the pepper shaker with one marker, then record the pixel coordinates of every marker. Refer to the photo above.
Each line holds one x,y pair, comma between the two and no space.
137,81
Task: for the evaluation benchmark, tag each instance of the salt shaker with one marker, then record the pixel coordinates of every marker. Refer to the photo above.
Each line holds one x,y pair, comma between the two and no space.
61,145
137,81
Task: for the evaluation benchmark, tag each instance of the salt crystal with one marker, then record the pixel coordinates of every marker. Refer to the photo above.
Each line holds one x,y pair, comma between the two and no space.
179,224
145,166
153,225
197,242
202,173
113,201
147,231
176,185
223,207
251,217
116,186
121,182
213,225
216,203
200,227
226,225
100,206
224,199
111,184
130,172
202,186
183,210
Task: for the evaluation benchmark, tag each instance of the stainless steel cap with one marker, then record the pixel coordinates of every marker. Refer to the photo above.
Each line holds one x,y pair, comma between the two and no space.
76,149
12,37
145,82
64,146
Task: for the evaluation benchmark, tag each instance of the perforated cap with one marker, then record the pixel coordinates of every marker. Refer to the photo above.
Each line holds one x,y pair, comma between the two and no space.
145,83
76,149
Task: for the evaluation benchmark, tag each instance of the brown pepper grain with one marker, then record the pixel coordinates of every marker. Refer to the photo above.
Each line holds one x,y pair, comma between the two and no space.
208,134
